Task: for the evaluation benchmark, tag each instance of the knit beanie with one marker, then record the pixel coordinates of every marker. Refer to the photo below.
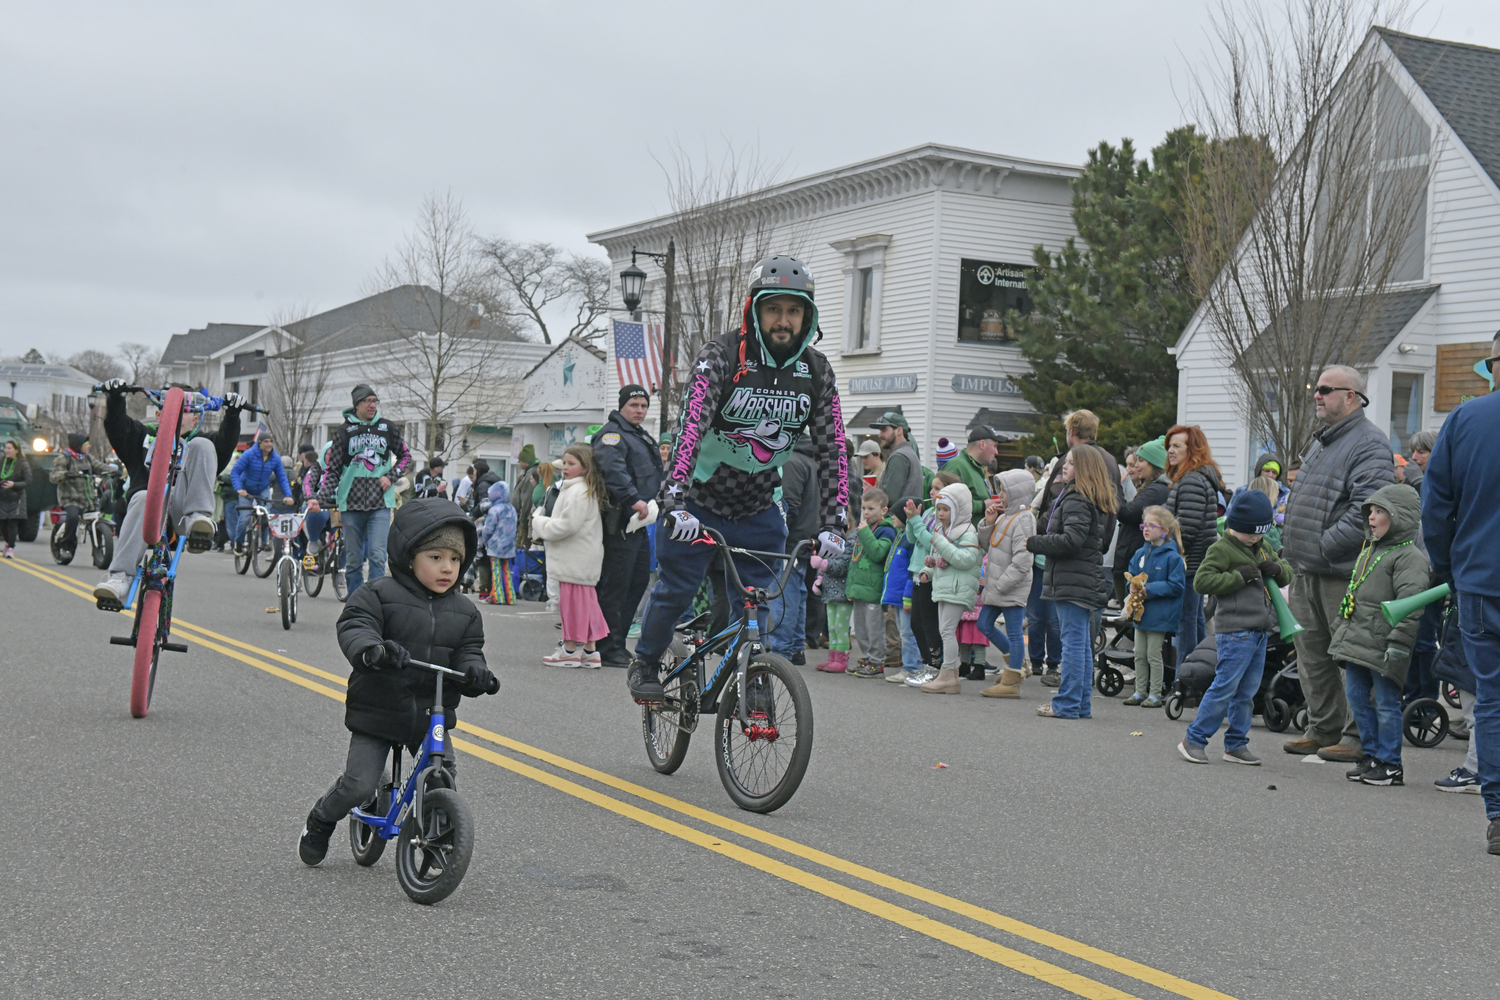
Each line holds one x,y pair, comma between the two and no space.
528,454
947,451
362,391
1249,511
629,392
1154,451
444,536
76,441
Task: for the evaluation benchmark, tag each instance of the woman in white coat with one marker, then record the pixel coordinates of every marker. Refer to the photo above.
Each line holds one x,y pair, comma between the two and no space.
573,535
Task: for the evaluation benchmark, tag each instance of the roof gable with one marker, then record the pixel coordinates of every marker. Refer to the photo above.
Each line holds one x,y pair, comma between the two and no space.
184,347
1463,83
576,341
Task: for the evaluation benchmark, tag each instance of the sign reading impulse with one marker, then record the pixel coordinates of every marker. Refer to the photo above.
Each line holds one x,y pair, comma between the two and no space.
980,385
883,383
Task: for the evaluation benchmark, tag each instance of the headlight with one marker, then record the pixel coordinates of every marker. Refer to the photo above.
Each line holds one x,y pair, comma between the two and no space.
39,445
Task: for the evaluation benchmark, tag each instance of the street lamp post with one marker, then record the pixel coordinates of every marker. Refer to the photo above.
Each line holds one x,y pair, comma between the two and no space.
632,284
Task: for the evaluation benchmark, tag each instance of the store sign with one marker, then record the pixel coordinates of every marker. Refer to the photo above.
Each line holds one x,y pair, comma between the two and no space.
883,383
988,292
980,385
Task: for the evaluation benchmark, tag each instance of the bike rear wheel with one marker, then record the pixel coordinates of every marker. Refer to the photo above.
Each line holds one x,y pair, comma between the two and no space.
147,649
263,557
61,554
668,727
286,593
366,844
161,472
103,540
340,576
433,850
312,579
762,764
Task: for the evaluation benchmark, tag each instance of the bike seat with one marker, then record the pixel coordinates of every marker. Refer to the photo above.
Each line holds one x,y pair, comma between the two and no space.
696,625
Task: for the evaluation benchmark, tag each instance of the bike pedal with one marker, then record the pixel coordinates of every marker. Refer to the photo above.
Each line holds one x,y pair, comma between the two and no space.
648,703
109,604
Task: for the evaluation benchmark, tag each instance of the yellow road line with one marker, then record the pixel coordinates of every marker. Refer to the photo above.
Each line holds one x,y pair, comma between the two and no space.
1097,956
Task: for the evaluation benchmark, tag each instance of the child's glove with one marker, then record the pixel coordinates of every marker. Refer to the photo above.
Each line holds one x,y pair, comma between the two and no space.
478,680
388,654
1269,567
818,585
1250,574
818,562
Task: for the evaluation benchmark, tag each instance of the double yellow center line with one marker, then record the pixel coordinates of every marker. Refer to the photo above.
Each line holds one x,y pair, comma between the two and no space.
332,685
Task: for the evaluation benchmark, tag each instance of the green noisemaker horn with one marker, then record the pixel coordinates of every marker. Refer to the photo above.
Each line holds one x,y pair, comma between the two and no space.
1289,625
1398,609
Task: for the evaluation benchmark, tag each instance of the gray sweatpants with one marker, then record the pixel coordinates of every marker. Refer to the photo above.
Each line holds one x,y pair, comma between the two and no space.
949,615
869,629
193,493
364,770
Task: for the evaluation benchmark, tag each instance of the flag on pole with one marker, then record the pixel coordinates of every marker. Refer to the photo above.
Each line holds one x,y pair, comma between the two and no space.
637,354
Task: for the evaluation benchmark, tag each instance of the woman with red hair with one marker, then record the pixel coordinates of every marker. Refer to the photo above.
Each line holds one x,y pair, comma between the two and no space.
1194,498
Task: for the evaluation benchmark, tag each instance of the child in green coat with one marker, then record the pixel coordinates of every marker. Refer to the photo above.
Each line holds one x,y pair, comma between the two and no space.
866,582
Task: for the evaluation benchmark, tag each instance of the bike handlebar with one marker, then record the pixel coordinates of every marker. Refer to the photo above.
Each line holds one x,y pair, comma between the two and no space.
210,404
435,668
734,574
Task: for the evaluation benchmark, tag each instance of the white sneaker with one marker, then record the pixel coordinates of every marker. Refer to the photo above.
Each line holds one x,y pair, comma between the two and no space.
560,657
899,676
112,590
921,677
199,530
592,661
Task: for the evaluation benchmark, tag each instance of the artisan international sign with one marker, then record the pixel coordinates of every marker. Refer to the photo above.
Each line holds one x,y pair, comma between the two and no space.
883,383
979,385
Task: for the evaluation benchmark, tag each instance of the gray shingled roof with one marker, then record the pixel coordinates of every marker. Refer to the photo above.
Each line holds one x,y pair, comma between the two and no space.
184,347
380,318
1385,321
1463,83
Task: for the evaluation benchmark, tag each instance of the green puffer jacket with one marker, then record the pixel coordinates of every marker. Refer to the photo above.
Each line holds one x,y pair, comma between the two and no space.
957,582
1238,606
866,580
1391,567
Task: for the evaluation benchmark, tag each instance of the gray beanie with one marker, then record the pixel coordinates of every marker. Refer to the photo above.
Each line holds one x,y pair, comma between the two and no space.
444,536
361,391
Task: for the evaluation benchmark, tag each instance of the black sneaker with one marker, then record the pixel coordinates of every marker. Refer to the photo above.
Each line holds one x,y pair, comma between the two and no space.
1361,769
641,679
1493,836
312,847
1383,774
799,659
1052,678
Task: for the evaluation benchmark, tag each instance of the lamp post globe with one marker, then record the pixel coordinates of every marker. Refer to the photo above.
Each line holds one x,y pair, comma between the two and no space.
632,283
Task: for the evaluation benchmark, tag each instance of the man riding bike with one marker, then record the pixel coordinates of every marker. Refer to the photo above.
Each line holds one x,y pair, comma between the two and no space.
252,477
750,396
192,501
73,471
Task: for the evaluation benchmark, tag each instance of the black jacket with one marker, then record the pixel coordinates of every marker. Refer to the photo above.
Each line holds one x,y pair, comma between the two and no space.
631,464
439,628
1073,542
1153,494
799,492
127,436
1195,500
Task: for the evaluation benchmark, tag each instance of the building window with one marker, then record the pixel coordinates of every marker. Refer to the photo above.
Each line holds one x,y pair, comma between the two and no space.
1407,398
864,296
255,392
988,291
864,277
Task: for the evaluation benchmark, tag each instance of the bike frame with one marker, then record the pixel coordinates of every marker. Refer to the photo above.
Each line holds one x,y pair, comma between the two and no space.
388,826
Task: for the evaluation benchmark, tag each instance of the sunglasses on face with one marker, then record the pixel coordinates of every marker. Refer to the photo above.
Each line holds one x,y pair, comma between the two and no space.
1329,390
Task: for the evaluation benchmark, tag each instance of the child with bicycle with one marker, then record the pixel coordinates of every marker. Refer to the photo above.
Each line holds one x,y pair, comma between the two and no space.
414,612
573,534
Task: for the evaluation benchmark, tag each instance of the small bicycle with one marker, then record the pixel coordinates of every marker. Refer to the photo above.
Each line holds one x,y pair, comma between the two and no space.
258,549
94,525
327,561
284,529
763,731
431,824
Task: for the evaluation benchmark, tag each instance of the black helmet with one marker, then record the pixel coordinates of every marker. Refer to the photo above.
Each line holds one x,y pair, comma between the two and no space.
781,274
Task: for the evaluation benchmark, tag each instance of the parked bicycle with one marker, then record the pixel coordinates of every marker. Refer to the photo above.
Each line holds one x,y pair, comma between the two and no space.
763,720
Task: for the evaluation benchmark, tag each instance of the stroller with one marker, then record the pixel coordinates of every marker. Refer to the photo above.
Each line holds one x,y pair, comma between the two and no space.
1278,701
1114,657
530,575
1425,721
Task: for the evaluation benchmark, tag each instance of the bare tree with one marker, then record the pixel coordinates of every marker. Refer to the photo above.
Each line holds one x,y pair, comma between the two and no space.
444,356
538,274
297,375
1316,146
141,361
97,365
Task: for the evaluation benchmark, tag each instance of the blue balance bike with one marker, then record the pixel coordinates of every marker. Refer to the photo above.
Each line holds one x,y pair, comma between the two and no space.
432,826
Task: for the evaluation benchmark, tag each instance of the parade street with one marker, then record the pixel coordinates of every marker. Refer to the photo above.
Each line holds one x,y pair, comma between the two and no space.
939,846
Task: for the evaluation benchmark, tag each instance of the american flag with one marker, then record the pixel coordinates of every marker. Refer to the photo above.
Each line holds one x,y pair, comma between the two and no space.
638,354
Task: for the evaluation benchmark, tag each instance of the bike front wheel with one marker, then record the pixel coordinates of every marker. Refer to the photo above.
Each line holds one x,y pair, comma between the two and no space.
761,761
339,570
104,544
61,554
147,649
263,557
433,849
312,580
668,727
286,593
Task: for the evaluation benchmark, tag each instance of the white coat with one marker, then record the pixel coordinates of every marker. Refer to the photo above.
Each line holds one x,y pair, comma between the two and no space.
573,535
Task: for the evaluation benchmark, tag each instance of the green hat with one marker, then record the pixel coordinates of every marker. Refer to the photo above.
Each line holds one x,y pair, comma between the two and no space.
890,418
1154,451
528,454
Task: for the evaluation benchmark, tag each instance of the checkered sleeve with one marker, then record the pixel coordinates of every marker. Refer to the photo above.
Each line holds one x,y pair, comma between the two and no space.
700,401
827,428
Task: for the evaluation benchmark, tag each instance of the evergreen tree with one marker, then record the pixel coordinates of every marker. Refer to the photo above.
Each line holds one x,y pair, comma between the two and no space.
1106,312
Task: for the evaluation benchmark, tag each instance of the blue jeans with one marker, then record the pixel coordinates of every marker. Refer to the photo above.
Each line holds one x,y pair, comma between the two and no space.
1075,688
1012,638
365,534
790,636
1420,680
1379,724
681,566
242,513
1479,621
1044,638
1192,627
312,528
232,519
911,653
1242,659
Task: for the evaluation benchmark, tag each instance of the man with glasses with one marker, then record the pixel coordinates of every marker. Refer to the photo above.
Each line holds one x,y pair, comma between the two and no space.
1460,524
1348,461
365,459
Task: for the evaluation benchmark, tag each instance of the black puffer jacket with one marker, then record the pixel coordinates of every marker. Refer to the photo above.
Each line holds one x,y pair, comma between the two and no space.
1195,500
1324,528
1074,541
439,628
1153,494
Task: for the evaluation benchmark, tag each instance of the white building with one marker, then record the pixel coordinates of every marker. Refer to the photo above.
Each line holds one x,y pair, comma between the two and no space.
917,255
565,396
1434,324
59,392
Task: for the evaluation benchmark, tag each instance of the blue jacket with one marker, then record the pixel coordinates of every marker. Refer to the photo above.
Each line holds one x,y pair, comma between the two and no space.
1460,519
898,585
497,537
1165,585
253,473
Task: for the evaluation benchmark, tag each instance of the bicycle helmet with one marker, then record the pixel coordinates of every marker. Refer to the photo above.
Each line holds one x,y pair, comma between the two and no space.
782,274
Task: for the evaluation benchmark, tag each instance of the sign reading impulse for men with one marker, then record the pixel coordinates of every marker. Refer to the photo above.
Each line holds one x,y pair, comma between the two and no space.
883,383
980,385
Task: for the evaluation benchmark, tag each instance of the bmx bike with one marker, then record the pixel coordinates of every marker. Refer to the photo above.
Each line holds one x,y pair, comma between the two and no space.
94,525
284,530
327,561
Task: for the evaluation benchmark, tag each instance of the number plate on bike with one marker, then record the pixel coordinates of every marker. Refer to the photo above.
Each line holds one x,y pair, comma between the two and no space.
285,526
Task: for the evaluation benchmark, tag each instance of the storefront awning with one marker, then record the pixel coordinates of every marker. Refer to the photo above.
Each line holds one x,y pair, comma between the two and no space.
863,421
1007,425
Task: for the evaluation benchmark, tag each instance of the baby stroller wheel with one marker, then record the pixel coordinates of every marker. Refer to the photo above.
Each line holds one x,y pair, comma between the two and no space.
533,590
1425,723
1109,682
1299,720
1450,694
1278,715
1174,706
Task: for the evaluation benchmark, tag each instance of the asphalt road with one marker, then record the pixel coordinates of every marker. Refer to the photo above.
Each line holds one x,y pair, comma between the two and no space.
157,857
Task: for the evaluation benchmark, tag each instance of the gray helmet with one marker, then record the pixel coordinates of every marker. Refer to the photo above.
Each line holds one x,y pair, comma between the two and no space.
781,274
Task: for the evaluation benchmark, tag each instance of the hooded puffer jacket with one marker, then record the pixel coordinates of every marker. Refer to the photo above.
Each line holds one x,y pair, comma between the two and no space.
1195,500
499,534
1392,567
1345,465
1007,575
439,628
955,553
1074,543
573,535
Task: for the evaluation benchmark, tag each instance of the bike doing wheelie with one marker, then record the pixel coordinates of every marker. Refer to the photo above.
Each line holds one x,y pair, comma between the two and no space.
763,720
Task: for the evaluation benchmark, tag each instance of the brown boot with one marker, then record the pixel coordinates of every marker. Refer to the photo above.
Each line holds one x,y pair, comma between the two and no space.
1342,753
1301,746
1008,686
946,682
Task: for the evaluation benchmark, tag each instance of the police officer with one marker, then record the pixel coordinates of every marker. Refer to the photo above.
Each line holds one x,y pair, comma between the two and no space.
631,463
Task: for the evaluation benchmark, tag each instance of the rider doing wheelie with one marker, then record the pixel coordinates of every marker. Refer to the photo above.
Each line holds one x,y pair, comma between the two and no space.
749,398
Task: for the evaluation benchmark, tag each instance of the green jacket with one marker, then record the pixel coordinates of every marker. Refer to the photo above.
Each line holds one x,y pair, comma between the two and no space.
866,580
1392,567
1238,606
972,475
73,473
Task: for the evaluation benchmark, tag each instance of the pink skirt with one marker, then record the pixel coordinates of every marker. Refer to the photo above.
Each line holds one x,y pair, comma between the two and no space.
582,621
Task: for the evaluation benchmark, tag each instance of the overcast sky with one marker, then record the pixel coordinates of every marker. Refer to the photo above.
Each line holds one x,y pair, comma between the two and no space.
165,166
